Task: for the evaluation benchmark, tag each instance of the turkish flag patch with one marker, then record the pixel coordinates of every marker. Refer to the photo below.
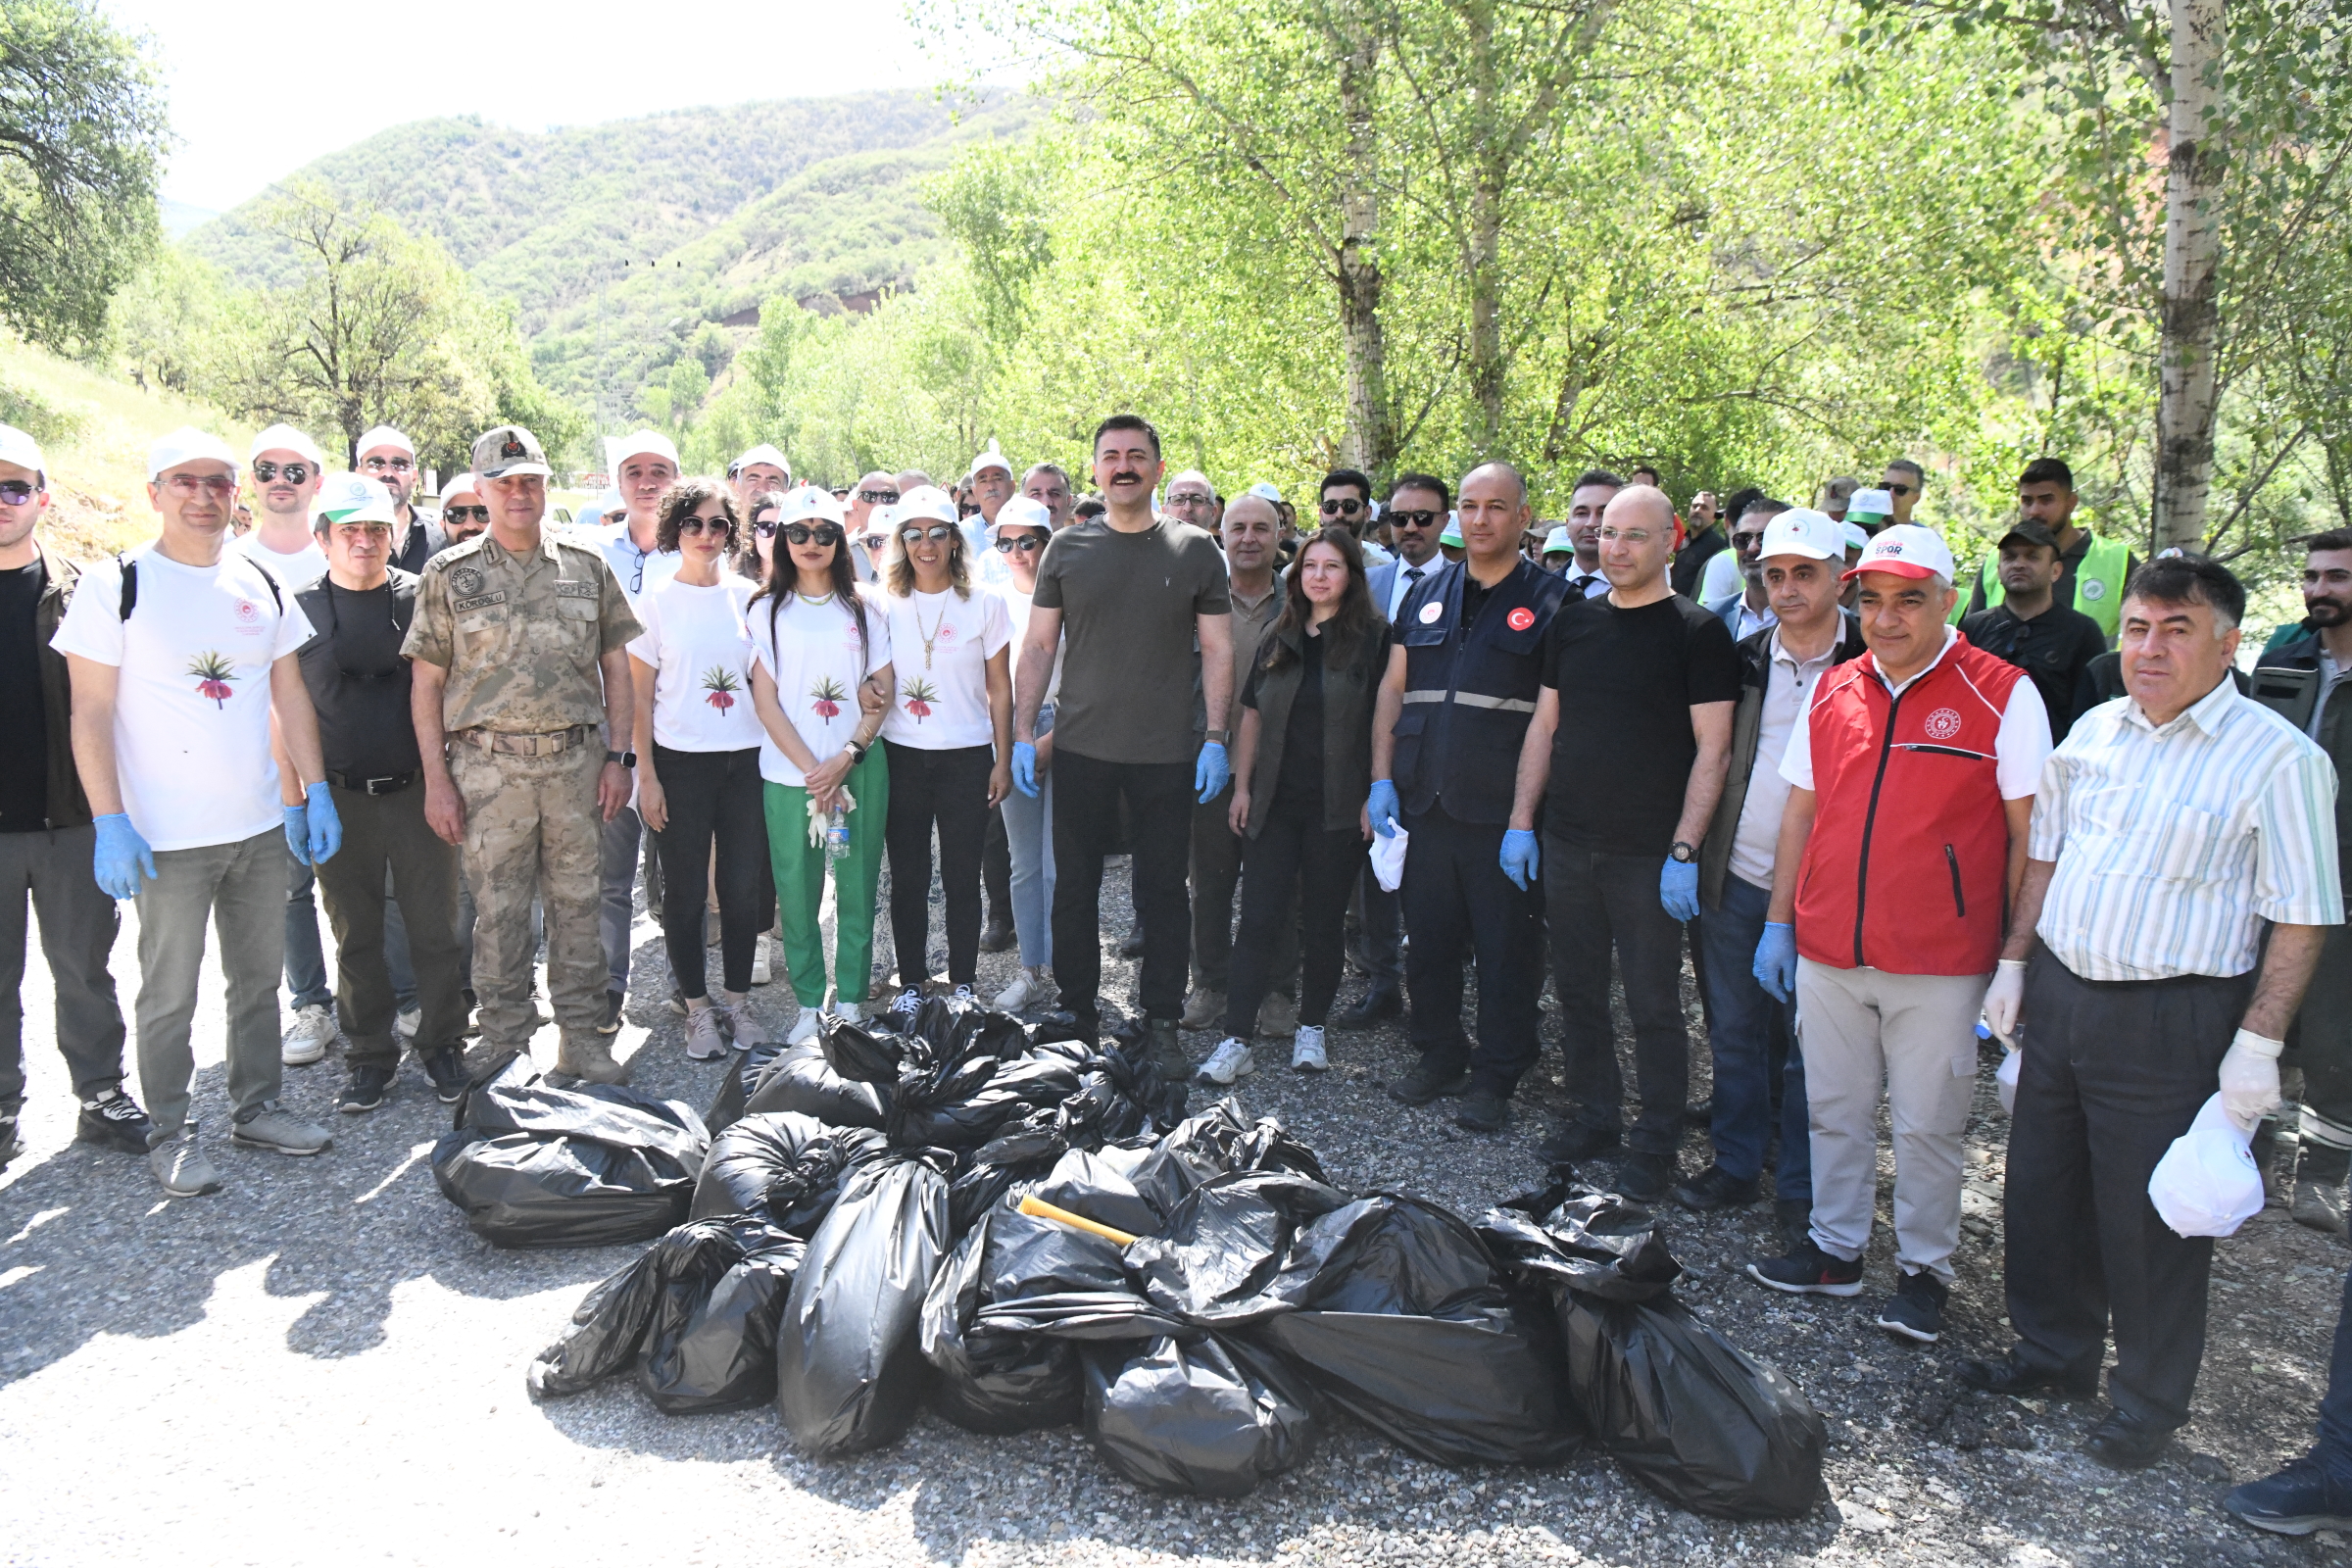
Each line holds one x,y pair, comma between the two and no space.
1520,619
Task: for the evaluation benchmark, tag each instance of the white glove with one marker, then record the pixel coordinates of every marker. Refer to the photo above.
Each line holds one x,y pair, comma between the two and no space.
2250,1078
2005,999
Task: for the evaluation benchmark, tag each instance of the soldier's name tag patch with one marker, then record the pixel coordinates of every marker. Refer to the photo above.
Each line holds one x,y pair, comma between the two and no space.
1430,613
566,589
478,602
1520,619
465,581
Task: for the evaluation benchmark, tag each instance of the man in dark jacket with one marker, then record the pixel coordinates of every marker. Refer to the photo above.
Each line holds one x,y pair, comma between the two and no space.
46,840
2053,644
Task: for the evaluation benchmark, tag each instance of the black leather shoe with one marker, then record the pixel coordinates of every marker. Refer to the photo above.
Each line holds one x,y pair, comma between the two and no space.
1716,1188
1426,1083
1572,1140
1645,1178
1133,947
997,936
2125,1443
1481,1112
1699,1113
2009,1375
1375,1005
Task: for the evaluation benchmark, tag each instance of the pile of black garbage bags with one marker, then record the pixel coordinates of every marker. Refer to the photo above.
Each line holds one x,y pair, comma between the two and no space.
1022,1232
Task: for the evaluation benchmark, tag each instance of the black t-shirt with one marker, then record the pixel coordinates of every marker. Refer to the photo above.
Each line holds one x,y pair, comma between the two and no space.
1628,680
358,681
23,718
2054,649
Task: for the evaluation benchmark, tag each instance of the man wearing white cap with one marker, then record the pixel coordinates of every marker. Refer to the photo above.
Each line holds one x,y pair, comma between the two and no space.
758,472
1558,553
1902,844
1749,610
991,483
389,457
46,839
465,511
181,653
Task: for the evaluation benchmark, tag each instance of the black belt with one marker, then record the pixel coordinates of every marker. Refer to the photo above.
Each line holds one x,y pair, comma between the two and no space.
389,784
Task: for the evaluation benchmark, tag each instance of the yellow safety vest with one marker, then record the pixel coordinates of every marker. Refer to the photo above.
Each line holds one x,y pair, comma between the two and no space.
2098,584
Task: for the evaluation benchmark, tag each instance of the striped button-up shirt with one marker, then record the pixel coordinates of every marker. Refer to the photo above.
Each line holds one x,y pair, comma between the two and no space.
2173,844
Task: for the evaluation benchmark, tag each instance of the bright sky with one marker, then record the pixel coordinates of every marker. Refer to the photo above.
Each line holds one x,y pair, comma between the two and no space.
260,87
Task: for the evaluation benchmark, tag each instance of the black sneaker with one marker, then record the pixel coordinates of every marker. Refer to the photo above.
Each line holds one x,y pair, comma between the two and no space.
1794,1216
2297,1501
997,935
1645,1178
1426,1083
1377,1004
1716,1188
113,1119
364,1090
1572,1140
1916,1308
1807,1270
612,1023
1481,1111
445,1065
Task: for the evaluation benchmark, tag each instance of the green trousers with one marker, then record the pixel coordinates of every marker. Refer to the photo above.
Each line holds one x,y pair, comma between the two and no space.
801,883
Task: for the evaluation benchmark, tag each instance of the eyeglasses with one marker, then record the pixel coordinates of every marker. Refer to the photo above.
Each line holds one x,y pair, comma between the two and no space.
937,531
1413,520
1023,542
295,472
767,530
879,498
1747,541
465,513
1190,500
823,534
1900,489
1630,536
875,541
211,484
1345,507
15,492
375,465
699,524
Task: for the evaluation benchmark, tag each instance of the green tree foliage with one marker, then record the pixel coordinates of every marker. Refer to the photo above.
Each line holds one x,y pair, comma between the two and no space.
82,135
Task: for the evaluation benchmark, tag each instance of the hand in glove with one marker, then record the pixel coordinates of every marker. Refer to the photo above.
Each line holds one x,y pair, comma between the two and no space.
1775,967
2005,1000
1024,767
297,823
121,857
1211,772
1520,857
325,825
1382,807
2250,1078
1677,888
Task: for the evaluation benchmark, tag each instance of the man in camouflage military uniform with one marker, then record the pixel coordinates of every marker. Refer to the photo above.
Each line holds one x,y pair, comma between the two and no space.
519,644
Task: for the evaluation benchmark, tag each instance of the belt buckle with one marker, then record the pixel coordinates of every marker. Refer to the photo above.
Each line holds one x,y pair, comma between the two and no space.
389,784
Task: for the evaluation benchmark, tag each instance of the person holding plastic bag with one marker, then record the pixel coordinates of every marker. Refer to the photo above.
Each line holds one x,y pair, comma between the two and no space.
820,643
2169,828
1299,779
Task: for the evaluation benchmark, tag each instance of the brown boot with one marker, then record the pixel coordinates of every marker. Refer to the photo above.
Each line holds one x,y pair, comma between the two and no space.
589,1056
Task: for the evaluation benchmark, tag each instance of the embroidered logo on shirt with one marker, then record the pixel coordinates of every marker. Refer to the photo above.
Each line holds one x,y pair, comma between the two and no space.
465,581
1942,724
1518,619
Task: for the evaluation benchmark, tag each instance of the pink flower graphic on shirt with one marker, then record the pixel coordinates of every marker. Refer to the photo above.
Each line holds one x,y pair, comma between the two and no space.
825,698
719,682
920,695
213,675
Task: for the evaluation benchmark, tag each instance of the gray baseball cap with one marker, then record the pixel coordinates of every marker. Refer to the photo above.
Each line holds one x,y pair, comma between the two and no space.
509,449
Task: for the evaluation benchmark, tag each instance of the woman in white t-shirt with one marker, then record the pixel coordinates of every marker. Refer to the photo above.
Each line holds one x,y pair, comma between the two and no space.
698,780
1018,538
819,645
949,736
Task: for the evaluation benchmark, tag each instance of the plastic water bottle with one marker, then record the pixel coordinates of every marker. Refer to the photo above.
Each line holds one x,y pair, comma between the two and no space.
837,834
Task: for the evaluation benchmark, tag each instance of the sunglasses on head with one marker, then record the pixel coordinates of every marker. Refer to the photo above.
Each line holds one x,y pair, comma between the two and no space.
1023,542
15,492
937,531
1344,507
465,513
879,498
295,472
823,534
1412,519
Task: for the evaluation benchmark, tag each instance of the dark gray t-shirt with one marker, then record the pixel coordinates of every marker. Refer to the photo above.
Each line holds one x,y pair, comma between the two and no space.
1127,603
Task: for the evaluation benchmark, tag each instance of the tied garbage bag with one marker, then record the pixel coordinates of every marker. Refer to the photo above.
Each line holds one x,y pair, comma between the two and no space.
711,1344
1219,1255
1688,1414
782,1167
1006,1382
741,1079
801,1079
582,1165
850,1370
1209,1416
606,1330
1573,1237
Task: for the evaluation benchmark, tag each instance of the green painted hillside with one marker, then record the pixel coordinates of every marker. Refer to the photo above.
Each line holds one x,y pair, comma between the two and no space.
625,244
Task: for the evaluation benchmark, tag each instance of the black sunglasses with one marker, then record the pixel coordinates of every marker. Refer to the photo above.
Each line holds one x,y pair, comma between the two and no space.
938,530
879,498
1901,489
15,492
1023,542
465,513
1345,507
696,525
1412,519
295,472
823,534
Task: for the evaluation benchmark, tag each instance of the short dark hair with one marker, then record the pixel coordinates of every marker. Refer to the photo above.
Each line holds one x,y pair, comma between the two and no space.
1919,475
2332,539
1354,476
1417,480
1644,468
1088,507
1125,421
2045,471
2185,579
1764,504
1596,476
681,501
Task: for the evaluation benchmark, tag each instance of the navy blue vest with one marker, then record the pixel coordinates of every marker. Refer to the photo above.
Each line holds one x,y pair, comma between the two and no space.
1469,691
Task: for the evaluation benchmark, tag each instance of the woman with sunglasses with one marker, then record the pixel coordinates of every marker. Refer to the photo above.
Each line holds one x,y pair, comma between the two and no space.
1302,772
1019,536
819,644
949,736
698,781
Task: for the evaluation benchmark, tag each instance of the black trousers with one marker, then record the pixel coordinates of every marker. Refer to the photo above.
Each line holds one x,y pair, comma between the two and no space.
1597,903
2112,1073
380,832
1293,856
1088,795
948,788
1216,876
711,795
1457,904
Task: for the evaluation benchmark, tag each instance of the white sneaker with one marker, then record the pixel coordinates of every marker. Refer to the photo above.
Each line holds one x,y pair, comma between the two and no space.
1228,1062
307,1037
1307,1050
1029,987
405,1024
804,1029
762,957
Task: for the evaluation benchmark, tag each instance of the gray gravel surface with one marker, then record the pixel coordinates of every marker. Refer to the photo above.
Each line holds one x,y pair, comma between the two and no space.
322,1364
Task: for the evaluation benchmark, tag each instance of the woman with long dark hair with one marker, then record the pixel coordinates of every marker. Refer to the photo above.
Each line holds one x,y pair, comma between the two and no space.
1302,772
698,781
949,736
817,640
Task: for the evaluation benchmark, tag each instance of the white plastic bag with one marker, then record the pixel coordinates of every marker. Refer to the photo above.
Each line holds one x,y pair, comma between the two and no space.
2207,1184
1388,860
2004,1082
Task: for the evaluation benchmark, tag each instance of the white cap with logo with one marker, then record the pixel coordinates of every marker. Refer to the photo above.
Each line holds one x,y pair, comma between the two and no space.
1265,490
762,453
186,445
23,449
1557,542
1021,512
1802,531
991,459
384,437
351,498
285,438
807,504
1907,550
927,501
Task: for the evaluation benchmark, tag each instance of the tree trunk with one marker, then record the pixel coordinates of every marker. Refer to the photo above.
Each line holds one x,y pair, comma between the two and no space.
1369,440
2190,312
1490,162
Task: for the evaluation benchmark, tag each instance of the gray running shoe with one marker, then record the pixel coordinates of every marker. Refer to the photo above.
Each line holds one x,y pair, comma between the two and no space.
704,1042
269,1125
179,1164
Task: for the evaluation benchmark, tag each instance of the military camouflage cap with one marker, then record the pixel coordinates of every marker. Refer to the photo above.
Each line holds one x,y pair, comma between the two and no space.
509,449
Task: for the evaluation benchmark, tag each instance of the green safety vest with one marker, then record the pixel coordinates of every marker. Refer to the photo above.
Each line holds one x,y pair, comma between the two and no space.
2098,584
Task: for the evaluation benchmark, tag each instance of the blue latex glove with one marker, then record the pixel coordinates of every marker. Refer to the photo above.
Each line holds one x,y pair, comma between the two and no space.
1210,775
1677,888
298,831
120,857
1775,960
1382,807
1520,857
1024,768
326,824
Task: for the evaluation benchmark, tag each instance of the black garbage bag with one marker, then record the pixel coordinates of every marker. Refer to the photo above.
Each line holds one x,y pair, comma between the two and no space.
802,1080
1688,1413
691,1261
606,1327
781,1167
711,1344
1209,1416
1214,1260
742,1079
1099,1183
1575,1237
850,1370
1008,1382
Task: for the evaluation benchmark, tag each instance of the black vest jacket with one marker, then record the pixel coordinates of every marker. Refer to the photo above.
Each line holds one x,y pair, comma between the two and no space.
1469,691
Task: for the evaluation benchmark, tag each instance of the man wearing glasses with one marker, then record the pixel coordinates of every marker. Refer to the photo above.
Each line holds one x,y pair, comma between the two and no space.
1749,610
464,513
1193,499
1347,501
1904,480
360,613
859,520
389,457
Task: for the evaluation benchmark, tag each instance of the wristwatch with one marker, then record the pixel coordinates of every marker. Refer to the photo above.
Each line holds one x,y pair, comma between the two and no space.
1681,852
624,758
857,752
1217,737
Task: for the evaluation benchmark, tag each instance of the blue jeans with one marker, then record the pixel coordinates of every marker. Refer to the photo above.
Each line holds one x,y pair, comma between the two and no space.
1029,835
305,955
1740,1040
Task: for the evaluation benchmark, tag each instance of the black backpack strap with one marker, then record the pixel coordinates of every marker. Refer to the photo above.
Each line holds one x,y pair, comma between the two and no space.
130,587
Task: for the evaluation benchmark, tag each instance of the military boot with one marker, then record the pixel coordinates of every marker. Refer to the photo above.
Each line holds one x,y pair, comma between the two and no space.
589,1056
1166,1051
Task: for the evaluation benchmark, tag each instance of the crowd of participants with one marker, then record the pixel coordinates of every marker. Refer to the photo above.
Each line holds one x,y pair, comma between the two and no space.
1882,800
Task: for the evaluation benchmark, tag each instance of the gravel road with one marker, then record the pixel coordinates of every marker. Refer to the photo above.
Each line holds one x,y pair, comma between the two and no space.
321,1364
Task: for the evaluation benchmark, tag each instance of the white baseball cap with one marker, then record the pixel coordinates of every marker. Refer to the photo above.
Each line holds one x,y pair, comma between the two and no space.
762,453
185,445
1857,537
882,520
21,450
351,498
1870,503
991,459
1021,512
640,444
285,438
383,436
1558,541
1265,491
1802,531
1907,550
462,484
807,504
927,501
